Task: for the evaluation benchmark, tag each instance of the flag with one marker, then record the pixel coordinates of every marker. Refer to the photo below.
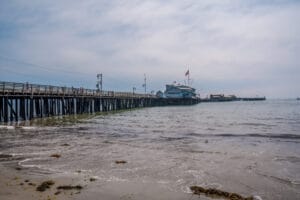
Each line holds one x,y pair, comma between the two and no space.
187,73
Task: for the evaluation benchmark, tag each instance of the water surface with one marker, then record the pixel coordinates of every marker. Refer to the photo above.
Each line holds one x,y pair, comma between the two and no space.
252,148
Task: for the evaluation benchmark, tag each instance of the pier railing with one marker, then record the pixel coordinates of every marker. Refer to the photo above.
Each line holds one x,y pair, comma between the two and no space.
12,88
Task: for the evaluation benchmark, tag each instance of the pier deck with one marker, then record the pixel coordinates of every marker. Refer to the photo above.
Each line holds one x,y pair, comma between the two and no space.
24,101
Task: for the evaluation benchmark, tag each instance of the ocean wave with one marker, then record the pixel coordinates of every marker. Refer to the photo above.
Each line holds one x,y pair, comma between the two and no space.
172,138
21,163
7,127
116,179
281,136
28,127
283,180
39,168
291,159
254,135
255,124
10,157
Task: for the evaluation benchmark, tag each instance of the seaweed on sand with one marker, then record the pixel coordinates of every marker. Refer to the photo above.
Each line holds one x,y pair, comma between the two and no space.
218,193
55,155
32,184
69,187
93,179
44,185
18,168
5,156
120,162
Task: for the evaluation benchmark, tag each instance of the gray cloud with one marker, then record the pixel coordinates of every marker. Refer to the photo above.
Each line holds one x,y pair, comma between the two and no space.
243,47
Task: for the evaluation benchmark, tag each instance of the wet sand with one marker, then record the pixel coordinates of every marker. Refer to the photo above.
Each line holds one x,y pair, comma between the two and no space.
21,184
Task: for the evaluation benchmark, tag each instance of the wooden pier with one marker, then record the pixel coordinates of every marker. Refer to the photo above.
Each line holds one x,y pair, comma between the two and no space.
24,101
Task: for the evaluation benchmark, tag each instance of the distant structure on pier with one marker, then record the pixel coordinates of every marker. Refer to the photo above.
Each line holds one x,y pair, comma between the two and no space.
180,91
222,98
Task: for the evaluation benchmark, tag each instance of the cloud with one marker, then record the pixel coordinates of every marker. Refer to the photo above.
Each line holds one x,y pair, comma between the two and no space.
230,46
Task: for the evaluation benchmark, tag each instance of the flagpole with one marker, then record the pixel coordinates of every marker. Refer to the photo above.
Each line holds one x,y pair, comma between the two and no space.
189,78
188,73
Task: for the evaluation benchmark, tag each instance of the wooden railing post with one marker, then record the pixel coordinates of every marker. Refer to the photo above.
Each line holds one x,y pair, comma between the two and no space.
13,88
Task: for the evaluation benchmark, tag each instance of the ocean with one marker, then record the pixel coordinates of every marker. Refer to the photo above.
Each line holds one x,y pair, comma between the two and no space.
251,148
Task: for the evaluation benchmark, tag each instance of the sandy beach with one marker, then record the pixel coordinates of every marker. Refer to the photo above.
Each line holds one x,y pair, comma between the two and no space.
22,184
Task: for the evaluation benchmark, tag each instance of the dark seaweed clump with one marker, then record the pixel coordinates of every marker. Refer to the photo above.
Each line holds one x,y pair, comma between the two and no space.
93,179
55,155
44,185
5,156
120,162
70,187
218,193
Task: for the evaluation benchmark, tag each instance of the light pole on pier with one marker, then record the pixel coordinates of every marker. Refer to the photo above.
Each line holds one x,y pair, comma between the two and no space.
145,83
99,82
133,90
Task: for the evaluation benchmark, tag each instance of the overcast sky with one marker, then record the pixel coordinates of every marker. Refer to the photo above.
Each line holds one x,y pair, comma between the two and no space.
246,47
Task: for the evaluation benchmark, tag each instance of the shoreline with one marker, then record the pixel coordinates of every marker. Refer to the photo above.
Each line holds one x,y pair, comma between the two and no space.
22,184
